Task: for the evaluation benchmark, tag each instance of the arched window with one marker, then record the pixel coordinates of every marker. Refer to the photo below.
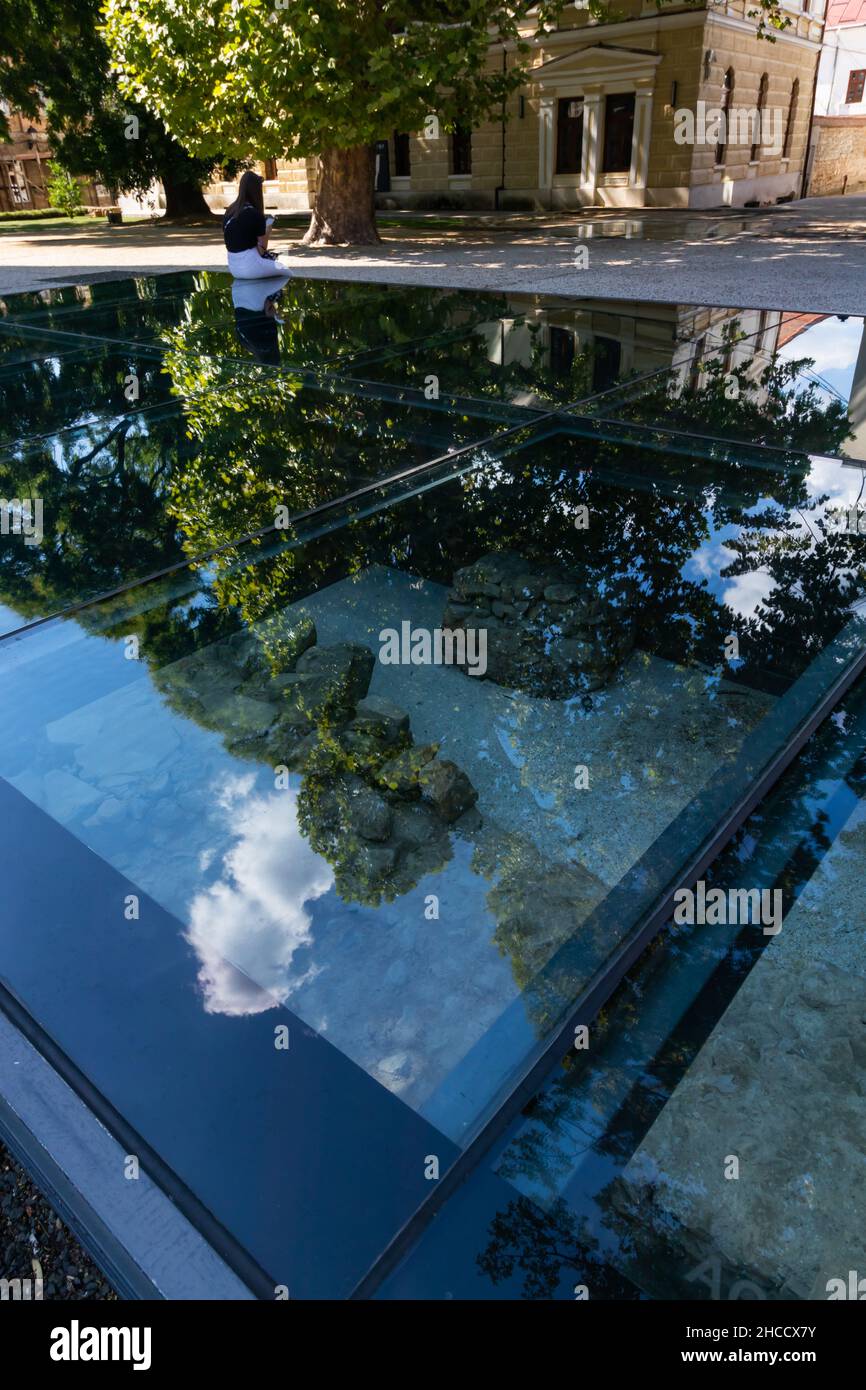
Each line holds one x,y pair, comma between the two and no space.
727,99
757,132
792,118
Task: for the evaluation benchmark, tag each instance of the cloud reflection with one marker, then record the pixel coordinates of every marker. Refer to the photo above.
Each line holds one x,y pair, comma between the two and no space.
248,926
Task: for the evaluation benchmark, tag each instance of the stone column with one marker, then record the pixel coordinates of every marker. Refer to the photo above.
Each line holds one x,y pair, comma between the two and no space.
640,144
545,147
591,153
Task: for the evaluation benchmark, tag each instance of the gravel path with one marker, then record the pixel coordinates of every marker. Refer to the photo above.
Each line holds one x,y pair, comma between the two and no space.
808,256
34,1241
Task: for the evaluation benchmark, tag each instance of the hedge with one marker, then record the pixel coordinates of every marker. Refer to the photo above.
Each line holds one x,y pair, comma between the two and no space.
36,214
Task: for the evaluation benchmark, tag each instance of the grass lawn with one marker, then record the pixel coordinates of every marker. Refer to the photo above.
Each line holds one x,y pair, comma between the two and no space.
17,225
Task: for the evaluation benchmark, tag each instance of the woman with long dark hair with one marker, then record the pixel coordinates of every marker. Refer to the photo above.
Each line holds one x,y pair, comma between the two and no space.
245,231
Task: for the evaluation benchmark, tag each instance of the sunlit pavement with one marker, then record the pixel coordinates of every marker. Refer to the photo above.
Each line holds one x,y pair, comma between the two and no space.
808,256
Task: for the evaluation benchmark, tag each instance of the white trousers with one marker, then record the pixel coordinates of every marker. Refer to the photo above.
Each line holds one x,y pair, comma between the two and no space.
249,265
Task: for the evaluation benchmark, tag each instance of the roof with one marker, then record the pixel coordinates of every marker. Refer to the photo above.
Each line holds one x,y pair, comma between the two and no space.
845,12
792,325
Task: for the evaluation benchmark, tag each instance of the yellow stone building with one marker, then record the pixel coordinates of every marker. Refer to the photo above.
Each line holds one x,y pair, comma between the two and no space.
597,123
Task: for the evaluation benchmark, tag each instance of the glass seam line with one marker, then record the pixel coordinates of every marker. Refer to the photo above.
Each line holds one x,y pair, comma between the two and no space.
157,351
660,428
323,508
595,996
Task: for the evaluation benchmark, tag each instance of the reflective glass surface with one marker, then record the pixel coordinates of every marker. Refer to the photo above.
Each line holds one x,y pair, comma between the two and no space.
707,1143
766,378
399,667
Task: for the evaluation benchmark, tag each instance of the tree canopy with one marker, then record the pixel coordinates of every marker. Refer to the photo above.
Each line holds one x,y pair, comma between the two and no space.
55,61
308,78
329,78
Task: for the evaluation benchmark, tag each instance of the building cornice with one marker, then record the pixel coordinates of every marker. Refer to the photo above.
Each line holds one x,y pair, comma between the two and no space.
644,24
742,26
647,24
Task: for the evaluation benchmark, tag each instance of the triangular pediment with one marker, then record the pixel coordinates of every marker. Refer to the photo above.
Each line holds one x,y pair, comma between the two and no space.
599,58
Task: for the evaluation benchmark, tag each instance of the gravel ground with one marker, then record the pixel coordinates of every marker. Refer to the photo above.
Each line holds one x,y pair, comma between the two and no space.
806,256
34,1241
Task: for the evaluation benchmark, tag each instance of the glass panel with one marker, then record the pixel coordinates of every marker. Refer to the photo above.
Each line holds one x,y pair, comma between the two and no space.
633,676
127,496
402,156
434,696
122,436
65,388
723,1044
794,381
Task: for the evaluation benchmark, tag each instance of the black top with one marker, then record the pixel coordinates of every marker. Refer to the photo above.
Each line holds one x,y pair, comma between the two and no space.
258,332
242,231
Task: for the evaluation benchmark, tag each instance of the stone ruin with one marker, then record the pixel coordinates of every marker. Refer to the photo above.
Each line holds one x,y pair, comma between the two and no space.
377,806
549,632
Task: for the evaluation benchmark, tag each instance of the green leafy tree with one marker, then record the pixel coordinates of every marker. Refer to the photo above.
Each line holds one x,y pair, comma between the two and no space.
54,61
63,191
326,79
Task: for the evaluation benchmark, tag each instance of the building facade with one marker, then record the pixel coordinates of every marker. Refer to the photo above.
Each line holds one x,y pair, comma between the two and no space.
289,185
623,339
601,124
837,161
24,168
601,121
23,160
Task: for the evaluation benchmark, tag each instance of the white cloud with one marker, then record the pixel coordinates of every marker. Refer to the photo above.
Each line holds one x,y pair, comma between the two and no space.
247,927
828,478
746,591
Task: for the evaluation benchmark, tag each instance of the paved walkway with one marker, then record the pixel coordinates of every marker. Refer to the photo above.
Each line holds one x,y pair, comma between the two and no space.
808,256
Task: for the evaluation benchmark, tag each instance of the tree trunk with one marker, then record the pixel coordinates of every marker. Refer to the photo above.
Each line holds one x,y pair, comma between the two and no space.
345,211
184,200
